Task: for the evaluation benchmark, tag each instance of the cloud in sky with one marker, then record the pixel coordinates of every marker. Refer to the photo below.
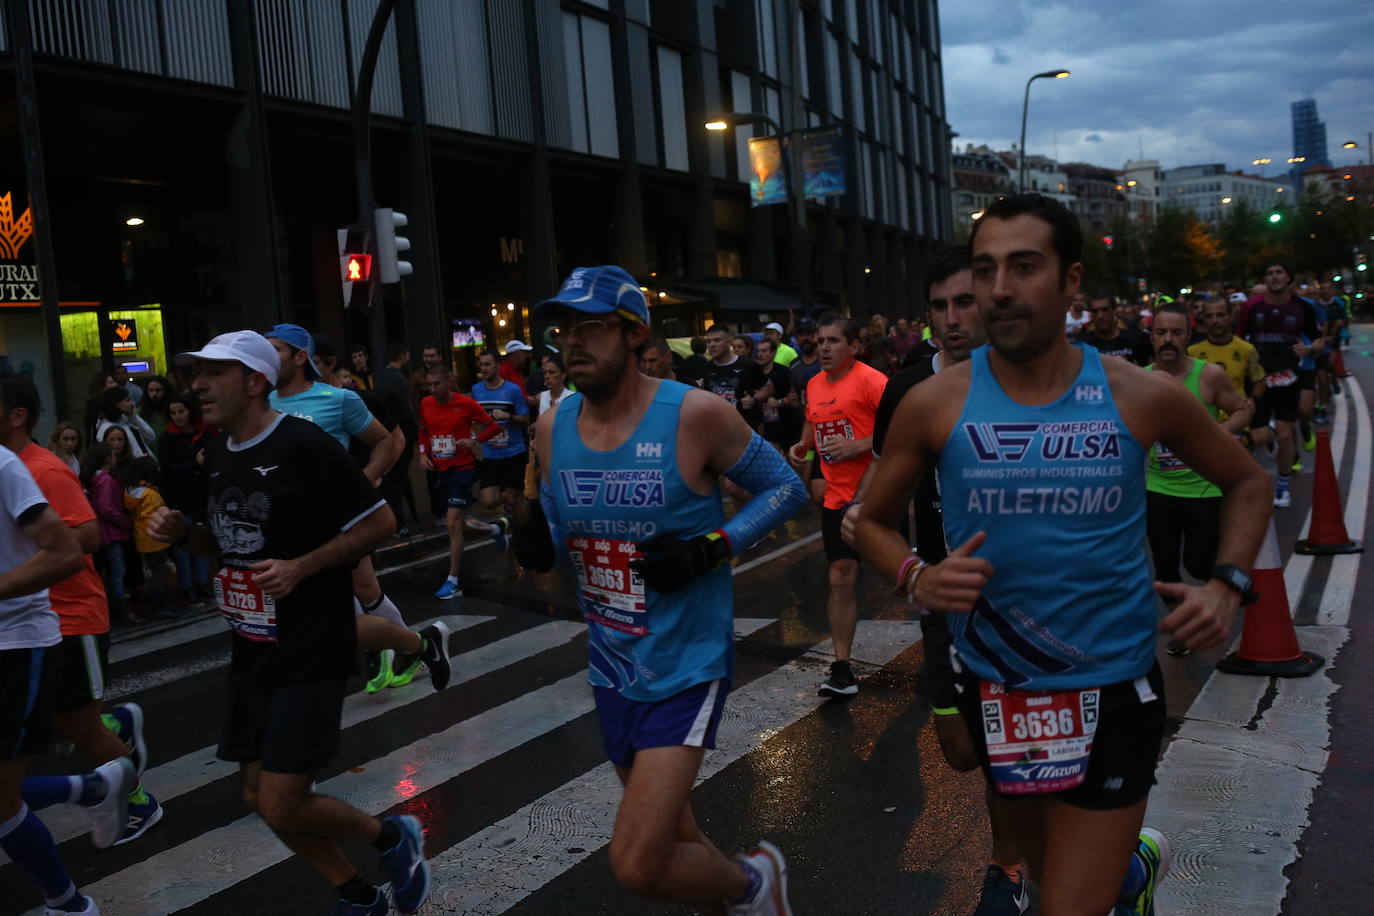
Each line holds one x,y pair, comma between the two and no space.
1177,80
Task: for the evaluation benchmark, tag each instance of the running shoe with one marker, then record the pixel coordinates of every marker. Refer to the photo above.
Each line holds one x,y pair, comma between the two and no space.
406,866
1310,442
433,655
126,721
1297,466
498,534
1153,853
1001,895
771,897
841,681
448,590
383,675
1177,649
88,909
378,907
1335,385
1282,499
144,812
109,816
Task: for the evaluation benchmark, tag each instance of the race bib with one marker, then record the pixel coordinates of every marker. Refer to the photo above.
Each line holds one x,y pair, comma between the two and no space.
612,593
247,608
1039,741
1281,379
500,440
770,414
828,429
443,446
1168,461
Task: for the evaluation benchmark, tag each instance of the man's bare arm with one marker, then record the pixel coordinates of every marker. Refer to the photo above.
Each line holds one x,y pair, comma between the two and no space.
384,451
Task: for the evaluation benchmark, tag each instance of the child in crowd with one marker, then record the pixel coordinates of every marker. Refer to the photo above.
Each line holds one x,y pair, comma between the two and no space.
142,497
107,499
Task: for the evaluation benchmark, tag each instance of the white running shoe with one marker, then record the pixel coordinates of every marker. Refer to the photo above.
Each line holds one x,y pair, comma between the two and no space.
90,910
110,815
771,899
1282,499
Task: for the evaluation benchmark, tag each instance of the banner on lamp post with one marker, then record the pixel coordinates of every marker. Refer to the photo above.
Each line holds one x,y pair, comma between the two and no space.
823,162
767,178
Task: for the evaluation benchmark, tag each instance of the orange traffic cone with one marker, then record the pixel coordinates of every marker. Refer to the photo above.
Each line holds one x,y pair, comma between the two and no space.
1327,534
1338,365
1269,644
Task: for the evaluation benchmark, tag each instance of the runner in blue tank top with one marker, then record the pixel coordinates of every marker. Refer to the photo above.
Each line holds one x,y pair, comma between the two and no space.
630,494
1040,447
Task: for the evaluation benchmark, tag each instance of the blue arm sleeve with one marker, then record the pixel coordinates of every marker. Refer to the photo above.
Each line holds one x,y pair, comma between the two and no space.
550,507
778,494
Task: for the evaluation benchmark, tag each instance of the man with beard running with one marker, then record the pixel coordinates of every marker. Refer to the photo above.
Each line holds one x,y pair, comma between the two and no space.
289,513
630,494
1183,509
1040,447
1104,333
1236,357
803,370
958,327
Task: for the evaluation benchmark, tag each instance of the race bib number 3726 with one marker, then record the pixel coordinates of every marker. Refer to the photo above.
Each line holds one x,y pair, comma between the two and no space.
247,608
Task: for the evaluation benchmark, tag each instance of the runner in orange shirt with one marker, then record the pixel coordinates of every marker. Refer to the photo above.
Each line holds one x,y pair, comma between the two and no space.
841,401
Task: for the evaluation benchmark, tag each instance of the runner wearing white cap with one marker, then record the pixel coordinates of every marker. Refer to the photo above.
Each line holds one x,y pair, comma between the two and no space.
785,354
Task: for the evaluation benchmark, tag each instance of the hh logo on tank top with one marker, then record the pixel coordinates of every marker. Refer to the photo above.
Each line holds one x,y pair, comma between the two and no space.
624,489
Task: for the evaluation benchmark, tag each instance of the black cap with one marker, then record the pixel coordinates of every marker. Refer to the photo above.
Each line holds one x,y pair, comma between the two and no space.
806,324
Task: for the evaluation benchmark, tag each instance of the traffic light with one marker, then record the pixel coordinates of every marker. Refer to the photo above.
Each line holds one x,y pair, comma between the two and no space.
1275,217
1107,240
390,268
1337,278
355,265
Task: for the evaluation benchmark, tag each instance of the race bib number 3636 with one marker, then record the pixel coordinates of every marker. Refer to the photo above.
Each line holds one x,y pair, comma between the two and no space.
247,608
1039,741
612,593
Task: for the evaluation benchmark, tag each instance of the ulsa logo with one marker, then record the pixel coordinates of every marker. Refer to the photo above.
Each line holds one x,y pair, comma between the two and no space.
648,449
1091,394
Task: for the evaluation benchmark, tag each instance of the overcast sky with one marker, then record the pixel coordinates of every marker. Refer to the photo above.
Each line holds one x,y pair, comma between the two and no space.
1186,81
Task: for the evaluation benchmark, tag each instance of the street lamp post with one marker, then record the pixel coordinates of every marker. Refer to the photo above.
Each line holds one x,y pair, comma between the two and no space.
1262,162
1025,107
1368,147
796,194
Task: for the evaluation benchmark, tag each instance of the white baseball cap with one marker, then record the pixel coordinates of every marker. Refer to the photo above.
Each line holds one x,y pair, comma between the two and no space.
249,348
1238,297
773,326
515,346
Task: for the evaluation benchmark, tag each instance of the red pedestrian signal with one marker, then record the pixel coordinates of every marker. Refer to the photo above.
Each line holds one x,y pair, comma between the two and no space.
358,268
1107,240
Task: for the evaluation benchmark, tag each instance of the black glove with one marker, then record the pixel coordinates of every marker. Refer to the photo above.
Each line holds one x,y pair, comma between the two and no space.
670,564
532,543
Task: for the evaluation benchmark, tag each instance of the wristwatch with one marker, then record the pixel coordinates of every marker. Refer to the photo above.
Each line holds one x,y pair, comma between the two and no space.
1236,579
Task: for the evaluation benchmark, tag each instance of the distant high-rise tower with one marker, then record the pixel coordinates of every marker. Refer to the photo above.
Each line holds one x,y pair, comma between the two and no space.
1309,138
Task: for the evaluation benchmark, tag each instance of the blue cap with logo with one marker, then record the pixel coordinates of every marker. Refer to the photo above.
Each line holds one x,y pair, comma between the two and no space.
298,338
598,291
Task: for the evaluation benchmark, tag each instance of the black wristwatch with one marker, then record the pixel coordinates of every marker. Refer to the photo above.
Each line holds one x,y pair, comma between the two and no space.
1236,579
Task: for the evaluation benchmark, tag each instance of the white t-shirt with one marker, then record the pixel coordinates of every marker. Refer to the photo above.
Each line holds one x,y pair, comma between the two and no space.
545,401
26,622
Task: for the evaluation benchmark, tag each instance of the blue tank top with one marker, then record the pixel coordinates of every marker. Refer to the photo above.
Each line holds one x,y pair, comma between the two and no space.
644,644
1060,490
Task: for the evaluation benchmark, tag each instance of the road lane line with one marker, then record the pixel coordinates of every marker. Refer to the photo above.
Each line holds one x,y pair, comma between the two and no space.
1237,781
494,869
774,554
218,859
1340,583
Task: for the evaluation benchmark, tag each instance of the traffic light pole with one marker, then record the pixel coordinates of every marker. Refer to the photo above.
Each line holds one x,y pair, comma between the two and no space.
362,168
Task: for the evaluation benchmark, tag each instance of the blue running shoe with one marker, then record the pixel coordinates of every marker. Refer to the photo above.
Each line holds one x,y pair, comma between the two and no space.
144,812
406,866
1153,853
378,907
1001,895
448,590
498,534
126,721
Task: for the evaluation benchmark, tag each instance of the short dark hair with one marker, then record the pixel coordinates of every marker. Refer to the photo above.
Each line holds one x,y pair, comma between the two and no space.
1173,308
698,345
93,460
1099,294
1277,262
947,262
657,343
490,352
558,363
357,348
18,390
144,471
848,326
1065,234
396,350
439,369
719,329
435,347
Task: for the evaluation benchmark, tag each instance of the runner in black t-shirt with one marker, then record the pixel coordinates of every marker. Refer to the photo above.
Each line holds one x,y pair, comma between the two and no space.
735,378
1106,335
781,424
958,326
289,513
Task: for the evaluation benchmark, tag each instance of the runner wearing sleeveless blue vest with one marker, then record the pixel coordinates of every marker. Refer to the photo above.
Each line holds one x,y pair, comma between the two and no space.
630,470
1040,446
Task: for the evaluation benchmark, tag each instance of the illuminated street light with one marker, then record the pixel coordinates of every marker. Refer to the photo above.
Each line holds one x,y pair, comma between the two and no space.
1264,161
1293,159
1025,107
134,221
1226,200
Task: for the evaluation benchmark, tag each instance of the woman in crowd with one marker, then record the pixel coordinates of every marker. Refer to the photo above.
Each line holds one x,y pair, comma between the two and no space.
66,444
95,396
181,451
117,409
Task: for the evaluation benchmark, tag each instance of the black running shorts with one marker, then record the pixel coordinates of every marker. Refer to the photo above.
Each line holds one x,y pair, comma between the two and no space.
84,659
1307,379
936,638
835,547
290,728
1130,731
1279,403
28,692
506,473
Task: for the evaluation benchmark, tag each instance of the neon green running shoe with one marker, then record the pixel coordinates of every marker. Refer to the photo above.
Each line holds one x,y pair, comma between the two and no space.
401,678
1310,442
384,676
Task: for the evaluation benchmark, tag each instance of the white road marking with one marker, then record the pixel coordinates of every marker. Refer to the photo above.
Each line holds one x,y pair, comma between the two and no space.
1237,781
497,867
1340,583
218,859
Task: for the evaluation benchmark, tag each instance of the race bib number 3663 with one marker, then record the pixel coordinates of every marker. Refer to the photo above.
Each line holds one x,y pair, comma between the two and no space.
248,609
612,593
1039,741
